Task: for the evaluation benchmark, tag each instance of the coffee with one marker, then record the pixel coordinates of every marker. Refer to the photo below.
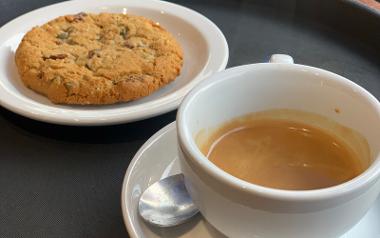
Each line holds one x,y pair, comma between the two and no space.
282,153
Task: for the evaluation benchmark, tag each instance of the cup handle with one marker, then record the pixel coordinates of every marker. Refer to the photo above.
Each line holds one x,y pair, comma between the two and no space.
281,58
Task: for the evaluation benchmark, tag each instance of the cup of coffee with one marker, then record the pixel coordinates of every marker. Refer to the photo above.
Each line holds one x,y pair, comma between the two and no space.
280,150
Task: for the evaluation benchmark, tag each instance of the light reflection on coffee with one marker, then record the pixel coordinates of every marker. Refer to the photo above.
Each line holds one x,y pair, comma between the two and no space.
282,153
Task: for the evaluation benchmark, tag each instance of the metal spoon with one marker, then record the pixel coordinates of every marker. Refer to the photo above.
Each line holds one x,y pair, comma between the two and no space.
166,203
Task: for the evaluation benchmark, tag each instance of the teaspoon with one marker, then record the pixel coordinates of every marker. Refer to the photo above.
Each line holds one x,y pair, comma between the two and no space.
167,203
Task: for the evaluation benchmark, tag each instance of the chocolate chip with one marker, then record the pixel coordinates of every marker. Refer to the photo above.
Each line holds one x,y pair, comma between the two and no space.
124,32
71,42
55,57
40,75
92,53
87,66
79,16
129,45
58,56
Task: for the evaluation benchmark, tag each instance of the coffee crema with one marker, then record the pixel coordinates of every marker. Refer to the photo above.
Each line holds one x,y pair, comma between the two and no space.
281,153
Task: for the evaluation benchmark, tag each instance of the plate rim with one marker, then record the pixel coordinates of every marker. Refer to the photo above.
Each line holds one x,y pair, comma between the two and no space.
153,139
27,107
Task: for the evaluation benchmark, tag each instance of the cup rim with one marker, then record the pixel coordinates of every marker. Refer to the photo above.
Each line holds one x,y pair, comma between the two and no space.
187,143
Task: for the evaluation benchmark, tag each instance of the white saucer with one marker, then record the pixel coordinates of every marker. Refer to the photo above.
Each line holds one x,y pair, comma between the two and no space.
157,159
204,45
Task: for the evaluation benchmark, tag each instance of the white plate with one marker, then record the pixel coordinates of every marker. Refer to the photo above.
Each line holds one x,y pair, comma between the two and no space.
205,50
157,159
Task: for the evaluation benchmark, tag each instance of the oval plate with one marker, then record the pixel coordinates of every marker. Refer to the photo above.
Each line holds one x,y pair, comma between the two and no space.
205,49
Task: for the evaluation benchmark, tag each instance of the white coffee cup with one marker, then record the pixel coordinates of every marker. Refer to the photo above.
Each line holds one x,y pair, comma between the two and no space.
241,209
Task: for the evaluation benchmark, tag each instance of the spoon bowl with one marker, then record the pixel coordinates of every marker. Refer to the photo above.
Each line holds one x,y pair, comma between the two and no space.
167,203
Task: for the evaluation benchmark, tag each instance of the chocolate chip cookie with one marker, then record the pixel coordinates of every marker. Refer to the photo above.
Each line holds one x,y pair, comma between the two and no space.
98,58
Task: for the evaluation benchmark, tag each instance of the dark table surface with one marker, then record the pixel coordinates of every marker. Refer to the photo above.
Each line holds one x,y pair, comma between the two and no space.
59,181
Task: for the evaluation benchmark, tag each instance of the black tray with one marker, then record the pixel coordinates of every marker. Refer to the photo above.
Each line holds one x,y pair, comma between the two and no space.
58,181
